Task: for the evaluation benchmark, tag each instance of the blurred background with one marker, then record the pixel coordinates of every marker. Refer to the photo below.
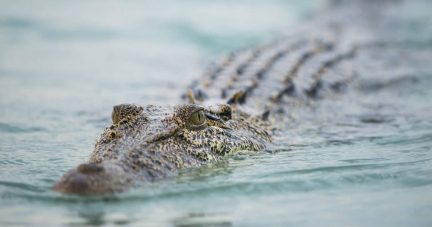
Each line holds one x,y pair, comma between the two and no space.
64,64
62,51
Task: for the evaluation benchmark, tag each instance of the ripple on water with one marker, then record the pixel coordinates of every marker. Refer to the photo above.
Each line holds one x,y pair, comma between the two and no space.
13,128
21,186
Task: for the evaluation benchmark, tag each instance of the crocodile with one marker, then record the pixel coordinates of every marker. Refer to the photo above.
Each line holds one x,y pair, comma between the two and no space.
238,104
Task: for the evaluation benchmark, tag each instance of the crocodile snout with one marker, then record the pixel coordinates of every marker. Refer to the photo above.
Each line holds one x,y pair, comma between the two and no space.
90,168
92,179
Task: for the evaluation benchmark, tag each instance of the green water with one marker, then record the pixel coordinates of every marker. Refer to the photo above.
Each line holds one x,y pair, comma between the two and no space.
63,65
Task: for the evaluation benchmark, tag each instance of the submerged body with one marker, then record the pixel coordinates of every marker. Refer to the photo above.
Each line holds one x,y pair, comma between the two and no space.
236,106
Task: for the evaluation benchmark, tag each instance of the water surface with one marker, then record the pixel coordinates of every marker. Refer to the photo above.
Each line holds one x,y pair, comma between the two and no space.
63,65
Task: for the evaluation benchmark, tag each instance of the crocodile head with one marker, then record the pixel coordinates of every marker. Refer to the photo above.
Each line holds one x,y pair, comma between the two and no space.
151,142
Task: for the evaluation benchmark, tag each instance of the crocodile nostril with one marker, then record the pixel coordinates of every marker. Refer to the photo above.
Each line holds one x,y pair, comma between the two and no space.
78,182
89,168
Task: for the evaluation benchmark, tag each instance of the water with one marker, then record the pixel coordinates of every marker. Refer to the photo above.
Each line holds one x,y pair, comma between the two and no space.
63,65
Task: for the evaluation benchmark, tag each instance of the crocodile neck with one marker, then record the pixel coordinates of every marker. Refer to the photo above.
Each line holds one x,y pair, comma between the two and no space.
318,61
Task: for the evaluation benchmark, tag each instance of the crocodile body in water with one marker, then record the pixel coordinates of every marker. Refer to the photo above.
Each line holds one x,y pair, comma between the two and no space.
238,104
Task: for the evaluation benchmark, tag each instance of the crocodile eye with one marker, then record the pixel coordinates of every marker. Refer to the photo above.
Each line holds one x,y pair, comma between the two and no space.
114,118
198,117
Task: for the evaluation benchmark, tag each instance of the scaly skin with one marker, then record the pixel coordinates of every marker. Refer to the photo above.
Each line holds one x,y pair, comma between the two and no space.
145,144
149,143
261,88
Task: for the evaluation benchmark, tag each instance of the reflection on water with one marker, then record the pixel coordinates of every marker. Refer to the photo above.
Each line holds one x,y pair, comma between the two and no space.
63,65
202,219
